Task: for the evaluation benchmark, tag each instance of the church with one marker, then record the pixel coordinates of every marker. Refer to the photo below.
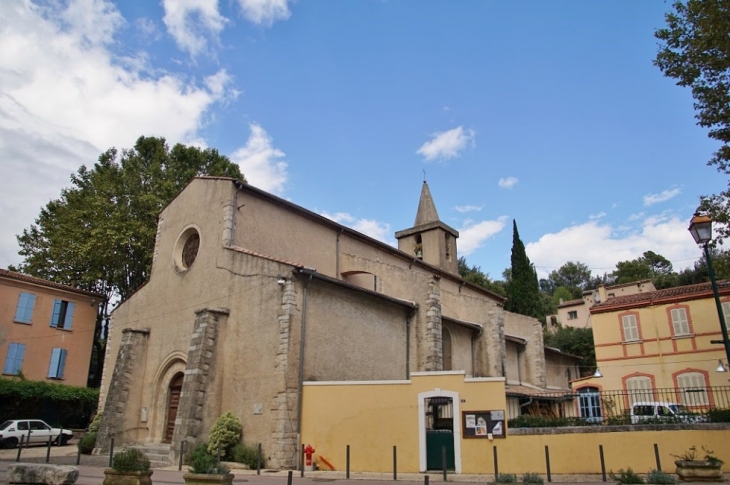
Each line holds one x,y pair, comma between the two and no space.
251,297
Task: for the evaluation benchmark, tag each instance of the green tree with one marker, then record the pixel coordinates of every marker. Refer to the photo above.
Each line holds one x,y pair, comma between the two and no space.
651,266
100,234
695,50
576,341
474,274
523,294
561,293
576,277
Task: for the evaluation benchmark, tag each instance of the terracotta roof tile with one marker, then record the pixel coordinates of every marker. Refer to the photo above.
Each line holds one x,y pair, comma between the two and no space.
50,284
678,293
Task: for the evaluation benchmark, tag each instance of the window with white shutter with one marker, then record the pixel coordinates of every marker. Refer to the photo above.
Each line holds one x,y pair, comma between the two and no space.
631,328
679,321
693,389
639,389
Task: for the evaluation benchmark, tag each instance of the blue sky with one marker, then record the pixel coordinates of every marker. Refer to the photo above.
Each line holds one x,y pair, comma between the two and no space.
550,113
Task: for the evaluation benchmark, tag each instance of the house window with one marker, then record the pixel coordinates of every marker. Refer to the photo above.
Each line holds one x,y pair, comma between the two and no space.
630,327
693,389
589,403
58,363
14,359
639,389
24,311
726,313
573,315
679,321
63,314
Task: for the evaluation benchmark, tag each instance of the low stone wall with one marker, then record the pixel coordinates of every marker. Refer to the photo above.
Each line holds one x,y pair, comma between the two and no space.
39,473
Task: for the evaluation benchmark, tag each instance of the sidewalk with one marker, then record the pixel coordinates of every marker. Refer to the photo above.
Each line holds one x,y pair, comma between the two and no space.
91,472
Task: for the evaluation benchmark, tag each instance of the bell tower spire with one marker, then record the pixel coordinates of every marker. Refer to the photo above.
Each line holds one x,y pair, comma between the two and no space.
430,239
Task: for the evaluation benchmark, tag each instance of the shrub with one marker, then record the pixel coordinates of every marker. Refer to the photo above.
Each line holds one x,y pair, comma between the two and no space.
87,443
248,455
532,478
131,460
226,432
95,423
203,462
718,415
627,476
505,478
659,477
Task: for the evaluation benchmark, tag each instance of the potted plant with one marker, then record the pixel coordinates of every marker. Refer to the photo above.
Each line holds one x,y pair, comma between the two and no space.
204,468
692,468
129,467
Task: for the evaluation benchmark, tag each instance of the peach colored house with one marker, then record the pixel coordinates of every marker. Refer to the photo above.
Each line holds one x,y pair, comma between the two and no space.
46,329
656,346
576,313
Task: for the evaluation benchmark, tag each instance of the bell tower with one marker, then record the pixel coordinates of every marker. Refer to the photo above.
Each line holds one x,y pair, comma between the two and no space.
430,239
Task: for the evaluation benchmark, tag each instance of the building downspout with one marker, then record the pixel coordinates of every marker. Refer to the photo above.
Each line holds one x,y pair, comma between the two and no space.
301,360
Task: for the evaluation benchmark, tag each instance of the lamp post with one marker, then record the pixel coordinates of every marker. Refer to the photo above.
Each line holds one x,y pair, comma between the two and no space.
701,229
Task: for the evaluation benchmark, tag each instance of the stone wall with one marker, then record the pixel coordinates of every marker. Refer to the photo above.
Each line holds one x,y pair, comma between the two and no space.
126,377
199,373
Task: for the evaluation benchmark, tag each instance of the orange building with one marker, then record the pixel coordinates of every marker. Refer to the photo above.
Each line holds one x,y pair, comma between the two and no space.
657,346
46,329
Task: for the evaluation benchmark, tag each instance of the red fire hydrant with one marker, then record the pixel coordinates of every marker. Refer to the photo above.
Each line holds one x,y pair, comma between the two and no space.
308,452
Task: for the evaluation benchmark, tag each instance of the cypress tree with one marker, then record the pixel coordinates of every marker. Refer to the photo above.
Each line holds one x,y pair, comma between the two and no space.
523,292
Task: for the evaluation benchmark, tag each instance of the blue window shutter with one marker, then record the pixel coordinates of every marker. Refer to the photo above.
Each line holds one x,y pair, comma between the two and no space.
55,358
69,316
24,311
10,359
56,313
61,364
14,359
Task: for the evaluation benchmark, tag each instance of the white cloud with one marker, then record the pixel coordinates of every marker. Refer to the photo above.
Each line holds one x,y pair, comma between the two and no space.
595,217
473,236
665,195
447,144
601,246
507,183
260,162
265,12
468,208
192,23
65,97
370,227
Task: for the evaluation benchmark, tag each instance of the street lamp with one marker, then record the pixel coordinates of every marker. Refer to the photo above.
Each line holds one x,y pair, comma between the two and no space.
701,229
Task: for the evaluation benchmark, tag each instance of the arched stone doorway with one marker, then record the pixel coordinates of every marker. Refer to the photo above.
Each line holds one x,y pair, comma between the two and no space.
173,401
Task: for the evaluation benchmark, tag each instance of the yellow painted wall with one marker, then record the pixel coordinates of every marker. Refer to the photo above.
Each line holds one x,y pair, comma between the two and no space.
658,354
374,417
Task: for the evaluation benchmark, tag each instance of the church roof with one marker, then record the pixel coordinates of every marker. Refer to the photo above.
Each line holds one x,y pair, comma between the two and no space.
426,208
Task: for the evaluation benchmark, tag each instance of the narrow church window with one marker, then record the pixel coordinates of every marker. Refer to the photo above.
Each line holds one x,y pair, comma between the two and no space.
447,244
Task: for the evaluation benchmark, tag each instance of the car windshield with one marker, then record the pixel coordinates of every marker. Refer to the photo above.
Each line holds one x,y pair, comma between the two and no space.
679,409
5,424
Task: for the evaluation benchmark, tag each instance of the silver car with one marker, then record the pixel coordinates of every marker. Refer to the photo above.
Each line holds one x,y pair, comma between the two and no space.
32,431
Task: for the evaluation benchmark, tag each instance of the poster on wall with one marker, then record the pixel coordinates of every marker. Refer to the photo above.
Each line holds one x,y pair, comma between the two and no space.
483,424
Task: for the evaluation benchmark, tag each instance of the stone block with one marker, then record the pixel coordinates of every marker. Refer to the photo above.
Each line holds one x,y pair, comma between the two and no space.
41,473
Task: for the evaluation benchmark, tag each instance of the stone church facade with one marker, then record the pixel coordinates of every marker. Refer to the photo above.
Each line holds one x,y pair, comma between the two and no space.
250,296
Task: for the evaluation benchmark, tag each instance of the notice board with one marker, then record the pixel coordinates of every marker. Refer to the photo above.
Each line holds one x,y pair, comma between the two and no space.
483,424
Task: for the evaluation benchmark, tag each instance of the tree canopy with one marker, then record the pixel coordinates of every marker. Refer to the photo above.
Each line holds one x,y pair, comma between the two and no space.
695,50
474,274
573,276
575,341
651,266
523,294
100,234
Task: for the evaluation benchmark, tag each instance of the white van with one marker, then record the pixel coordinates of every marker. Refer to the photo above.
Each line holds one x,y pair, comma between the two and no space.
657,411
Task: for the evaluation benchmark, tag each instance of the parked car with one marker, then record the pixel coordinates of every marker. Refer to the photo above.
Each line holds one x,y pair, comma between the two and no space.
659,411
32,431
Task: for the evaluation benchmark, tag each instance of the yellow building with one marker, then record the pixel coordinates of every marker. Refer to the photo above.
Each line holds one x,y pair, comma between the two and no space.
46,329
656,347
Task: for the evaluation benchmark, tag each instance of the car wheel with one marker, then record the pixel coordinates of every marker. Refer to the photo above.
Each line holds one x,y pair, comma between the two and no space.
11,443
64,440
